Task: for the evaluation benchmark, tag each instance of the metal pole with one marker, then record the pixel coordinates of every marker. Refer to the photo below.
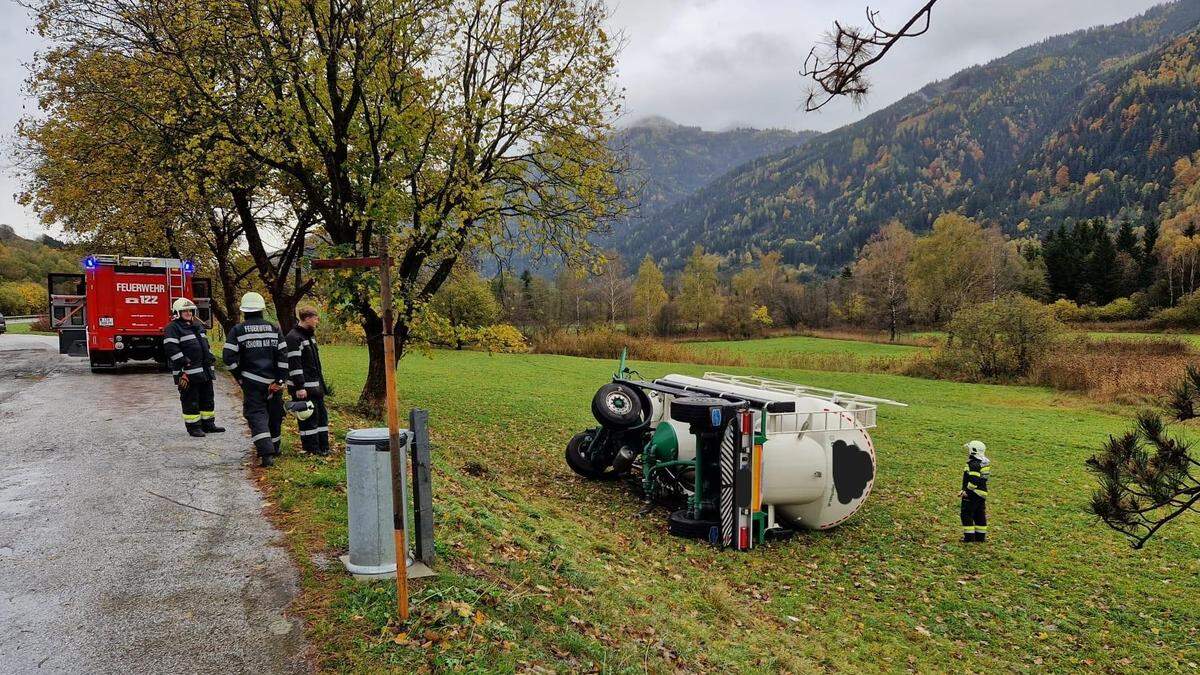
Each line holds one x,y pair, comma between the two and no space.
393,422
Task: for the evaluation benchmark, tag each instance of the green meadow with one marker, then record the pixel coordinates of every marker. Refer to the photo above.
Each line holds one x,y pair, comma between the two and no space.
539,568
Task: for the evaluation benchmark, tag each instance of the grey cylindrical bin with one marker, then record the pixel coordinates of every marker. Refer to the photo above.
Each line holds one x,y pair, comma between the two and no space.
369,493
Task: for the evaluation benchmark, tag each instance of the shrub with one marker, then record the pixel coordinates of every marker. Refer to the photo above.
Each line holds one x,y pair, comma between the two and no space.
603,343
1121,309
330,331
503,338
1068,312
22,297
1001,339
41,325
1186,314
1135,371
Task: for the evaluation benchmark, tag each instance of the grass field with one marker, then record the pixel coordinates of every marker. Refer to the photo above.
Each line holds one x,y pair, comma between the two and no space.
1190,338
539,568
807,345
24,328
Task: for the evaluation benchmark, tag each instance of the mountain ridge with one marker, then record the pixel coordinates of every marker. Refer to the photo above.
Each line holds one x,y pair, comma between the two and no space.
960,143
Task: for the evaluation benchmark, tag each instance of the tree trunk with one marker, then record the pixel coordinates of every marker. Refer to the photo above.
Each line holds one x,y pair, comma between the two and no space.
227,313
285,310
375,388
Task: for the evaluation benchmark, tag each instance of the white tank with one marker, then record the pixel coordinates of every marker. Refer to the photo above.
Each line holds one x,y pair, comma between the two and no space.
818,463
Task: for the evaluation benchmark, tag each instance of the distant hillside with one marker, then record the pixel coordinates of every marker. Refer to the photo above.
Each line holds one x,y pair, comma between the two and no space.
1081,125
27,260
670,161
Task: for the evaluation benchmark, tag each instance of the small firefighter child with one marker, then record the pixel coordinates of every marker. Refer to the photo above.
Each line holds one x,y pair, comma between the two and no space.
974,492
191,361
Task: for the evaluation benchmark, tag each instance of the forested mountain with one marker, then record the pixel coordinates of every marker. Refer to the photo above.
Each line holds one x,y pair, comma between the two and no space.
669,161
1085,125
28,260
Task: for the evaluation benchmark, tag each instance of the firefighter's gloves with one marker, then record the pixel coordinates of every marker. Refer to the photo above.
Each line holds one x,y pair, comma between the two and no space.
274,388
183,381
301,393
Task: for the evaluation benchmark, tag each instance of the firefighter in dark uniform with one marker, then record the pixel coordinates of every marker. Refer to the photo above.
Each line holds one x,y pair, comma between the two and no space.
974,492
256,354
307,382
186,346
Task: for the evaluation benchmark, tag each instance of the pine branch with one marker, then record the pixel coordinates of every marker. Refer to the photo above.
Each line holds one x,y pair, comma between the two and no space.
837,64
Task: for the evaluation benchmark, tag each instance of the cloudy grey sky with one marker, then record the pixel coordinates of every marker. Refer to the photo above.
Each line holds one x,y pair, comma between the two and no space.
719,63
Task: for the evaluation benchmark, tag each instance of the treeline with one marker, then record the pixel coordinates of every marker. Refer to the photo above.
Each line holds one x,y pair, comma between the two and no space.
24,265
899,281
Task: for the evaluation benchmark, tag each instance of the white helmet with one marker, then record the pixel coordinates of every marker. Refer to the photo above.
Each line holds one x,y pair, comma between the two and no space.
301,409
183,305
253,302
975,448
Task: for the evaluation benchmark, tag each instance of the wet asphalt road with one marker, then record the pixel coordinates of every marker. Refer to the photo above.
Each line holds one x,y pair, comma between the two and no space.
101,570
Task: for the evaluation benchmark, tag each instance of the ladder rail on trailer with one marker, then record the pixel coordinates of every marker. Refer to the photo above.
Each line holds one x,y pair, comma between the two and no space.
859,412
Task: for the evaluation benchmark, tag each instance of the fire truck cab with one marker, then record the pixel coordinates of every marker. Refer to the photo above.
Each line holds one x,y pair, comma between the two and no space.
116,310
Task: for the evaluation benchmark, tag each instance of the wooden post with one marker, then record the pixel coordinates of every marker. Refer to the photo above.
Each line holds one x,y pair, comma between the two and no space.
418,424
393,422
384,263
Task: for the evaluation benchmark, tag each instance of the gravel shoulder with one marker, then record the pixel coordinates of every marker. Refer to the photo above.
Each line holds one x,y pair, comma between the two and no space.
125,545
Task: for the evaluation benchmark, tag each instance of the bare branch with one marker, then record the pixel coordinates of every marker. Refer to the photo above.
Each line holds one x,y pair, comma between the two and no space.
837,64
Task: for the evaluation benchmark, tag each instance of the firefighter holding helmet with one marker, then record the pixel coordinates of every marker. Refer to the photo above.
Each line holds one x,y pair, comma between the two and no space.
191,361
974,492
256,354
307,382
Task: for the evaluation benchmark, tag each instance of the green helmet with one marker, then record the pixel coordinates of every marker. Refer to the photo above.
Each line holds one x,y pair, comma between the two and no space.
253,302
183,305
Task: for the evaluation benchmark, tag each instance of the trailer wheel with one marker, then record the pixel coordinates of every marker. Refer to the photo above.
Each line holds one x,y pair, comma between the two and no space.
680,524
579,461
618,406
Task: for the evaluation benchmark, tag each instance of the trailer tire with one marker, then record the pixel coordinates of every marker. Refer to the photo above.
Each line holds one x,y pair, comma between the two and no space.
582,465
680,524
618,406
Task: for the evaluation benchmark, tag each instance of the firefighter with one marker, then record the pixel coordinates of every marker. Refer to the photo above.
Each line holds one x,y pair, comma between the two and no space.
256,354
974,492
307,382
191,361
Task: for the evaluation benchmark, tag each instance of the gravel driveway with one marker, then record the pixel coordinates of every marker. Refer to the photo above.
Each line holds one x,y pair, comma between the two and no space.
125,545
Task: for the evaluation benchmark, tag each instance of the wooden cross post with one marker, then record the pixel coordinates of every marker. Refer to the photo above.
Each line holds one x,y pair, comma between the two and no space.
384,264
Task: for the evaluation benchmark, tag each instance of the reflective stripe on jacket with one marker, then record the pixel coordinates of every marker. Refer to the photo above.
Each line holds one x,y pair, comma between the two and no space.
255,350
975,478
187,350
304,362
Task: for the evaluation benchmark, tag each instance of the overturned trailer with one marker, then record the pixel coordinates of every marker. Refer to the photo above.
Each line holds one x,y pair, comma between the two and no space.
750,457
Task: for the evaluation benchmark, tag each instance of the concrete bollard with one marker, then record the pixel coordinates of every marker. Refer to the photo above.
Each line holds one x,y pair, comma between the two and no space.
369,494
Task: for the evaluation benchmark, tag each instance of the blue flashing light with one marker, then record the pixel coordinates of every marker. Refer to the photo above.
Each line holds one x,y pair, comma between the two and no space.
189,266
90,263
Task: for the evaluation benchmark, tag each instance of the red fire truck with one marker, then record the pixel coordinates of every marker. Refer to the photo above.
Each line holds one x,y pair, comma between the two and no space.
116,310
